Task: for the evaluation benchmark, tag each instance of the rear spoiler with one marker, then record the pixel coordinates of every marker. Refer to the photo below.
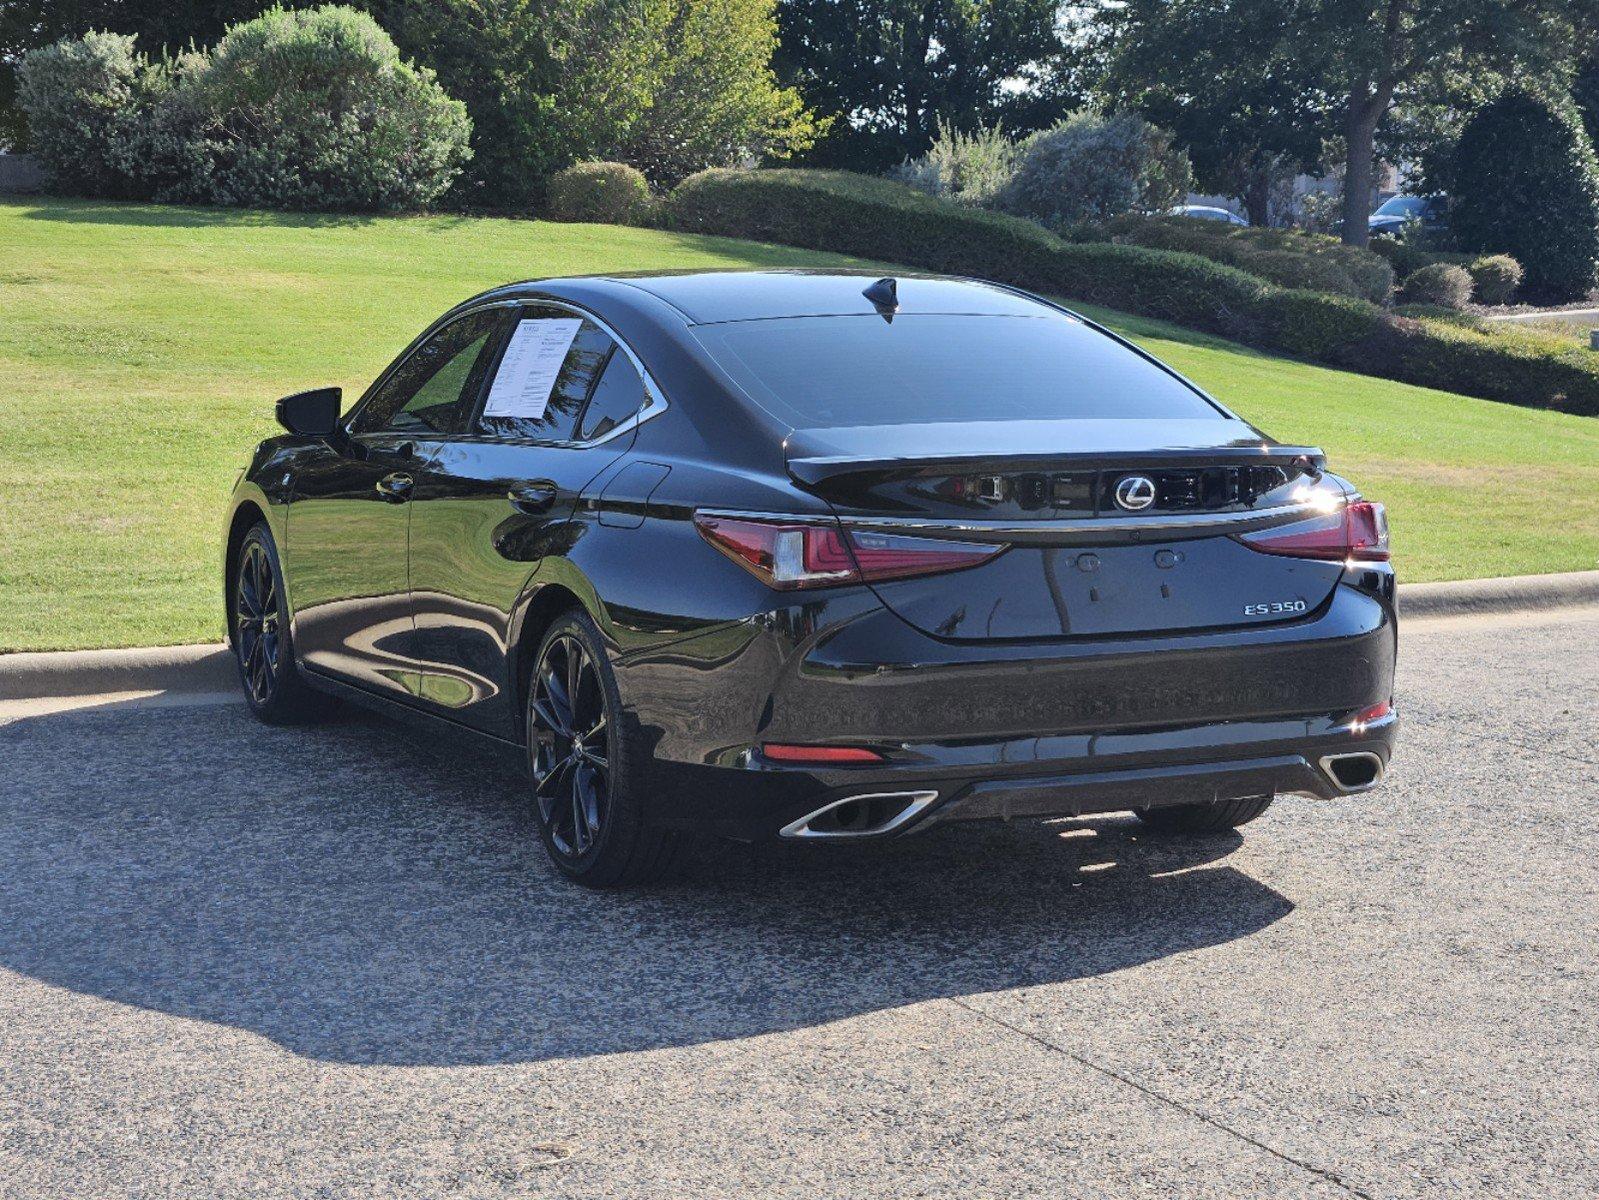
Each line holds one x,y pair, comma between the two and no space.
812,472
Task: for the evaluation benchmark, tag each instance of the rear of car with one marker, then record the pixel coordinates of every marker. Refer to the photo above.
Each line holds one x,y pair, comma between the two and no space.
1075,582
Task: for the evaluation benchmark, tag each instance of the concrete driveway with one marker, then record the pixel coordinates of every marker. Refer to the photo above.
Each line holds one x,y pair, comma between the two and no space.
244,961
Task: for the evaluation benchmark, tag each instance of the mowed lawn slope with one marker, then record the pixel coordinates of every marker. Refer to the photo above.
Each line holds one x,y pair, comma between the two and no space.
141,349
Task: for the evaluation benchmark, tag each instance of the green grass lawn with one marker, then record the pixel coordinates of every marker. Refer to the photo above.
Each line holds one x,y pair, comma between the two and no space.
141,349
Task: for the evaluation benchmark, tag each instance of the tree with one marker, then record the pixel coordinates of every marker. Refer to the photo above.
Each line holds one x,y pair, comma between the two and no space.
890,70
669,86
1221,77
712,95
1370,53
1342,64
1527,184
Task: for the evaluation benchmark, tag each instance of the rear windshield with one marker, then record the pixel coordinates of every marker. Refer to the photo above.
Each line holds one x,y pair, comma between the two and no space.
816,372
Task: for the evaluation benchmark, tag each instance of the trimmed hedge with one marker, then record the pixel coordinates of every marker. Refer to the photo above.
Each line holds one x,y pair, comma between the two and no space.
878,219
1285,257
1537,372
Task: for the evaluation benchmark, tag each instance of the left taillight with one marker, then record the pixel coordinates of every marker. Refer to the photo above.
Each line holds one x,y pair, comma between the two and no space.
787,555
1356,532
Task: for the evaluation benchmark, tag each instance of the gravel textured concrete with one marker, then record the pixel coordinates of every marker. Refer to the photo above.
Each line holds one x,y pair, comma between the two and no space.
238,960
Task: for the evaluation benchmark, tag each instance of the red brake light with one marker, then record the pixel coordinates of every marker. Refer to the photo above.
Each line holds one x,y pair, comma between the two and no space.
1358,531
780,752
786,555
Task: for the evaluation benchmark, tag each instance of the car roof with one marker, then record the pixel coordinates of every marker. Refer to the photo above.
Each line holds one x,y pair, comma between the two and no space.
713,297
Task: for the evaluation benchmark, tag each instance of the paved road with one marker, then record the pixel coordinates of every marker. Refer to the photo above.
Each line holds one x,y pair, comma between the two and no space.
240,961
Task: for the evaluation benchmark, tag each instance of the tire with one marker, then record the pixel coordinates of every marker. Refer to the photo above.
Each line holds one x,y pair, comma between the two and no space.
585,763
1213,817
263,650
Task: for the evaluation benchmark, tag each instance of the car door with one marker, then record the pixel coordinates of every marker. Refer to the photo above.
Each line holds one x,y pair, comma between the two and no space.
348,528
493,503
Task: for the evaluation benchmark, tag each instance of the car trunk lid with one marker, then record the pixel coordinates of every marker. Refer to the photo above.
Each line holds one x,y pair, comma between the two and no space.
1112,526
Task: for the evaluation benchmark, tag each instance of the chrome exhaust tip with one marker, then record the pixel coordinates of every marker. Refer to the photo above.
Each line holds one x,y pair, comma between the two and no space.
869,815
1358,771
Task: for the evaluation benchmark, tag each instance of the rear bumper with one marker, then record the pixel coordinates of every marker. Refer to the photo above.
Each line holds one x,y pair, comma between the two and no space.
1151,769
1004,730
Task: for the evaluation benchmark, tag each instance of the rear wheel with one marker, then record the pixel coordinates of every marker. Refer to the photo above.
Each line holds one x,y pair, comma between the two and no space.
1213,817
590,815
262,646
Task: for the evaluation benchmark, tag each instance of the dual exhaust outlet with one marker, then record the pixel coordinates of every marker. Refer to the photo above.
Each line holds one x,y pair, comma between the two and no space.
876,813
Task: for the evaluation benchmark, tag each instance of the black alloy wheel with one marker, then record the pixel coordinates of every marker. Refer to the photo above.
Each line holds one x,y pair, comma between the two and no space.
582,756
255,623
262,646
571,757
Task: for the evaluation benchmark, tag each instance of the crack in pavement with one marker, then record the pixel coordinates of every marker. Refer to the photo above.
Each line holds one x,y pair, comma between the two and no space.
1323,1173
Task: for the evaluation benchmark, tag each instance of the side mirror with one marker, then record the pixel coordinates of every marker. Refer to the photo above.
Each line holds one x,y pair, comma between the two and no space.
312,414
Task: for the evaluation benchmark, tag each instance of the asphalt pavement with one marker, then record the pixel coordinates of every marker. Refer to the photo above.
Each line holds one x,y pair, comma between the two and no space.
321,962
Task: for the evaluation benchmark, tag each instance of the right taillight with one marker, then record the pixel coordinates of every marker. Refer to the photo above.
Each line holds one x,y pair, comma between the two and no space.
787,555
1357,532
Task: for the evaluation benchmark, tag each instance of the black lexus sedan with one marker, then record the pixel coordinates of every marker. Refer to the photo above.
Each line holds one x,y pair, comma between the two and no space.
815,556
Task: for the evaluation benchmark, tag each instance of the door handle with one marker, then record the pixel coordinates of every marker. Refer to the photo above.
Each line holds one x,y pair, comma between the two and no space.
395,487
533,498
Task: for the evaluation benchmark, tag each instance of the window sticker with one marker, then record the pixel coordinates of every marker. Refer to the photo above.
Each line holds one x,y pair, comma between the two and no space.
531,365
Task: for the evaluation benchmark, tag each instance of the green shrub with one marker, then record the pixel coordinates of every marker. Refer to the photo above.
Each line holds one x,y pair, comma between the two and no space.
1527,184
1402,256
1442,284
313,108
1313,324
966,167
1090,167
84,99
1496,278
305,109
1285,257
878,219
606,192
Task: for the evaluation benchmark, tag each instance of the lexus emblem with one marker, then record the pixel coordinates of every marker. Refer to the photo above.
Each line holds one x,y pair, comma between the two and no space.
1135,493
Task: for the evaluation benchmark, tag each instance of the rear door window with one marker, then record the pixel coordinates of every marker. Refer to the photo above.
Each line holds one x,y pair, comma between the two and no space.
551,363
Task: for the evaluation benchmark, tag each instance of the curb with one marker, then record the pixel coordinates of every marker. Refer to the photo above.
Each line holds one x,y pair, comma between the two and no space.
209,668
51,673
1512,593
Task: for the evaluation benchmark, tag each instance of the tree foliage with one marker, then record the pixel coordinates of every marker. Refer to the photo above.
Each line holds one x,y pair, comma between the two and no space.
668,86
891,70
1527,185
1222,78
1344,64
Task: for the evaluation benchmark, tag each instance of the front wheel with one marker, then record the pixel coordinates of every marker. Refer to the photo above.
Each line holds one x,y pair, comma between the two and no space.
1213,817
582,759
262,647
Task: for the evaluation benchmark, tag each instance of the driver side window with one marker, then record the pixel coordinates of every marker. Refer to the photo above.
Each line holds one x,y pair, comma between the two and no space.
433,390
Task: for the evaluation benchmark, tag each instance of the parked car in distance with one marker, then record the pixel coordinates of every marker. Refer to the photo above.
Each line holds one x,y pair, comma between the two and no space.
1209,212
1396,212
814,556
